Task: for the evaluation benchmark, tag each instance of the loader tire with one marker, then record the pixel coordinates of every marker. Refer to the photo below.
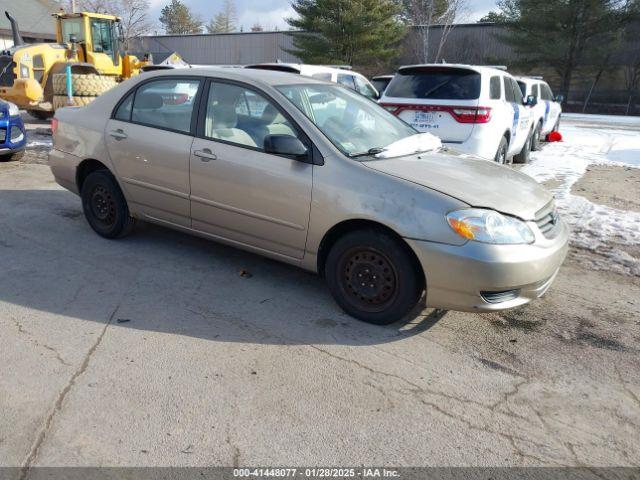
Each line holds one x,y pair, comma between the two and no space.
60,101
90,85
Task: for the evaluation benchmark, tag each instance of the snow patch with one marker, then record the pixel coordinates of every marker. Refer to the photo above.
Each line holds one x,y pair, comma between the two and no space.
598,228
421,142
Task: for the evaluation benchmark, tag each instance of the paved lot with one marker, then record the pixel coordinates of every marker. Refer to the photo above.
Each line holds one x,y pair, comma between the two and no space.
154,350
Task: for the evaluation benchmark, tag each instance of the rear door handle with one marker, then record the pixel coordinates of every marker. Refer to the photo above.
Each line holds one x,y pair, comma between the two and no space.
118,134
205,155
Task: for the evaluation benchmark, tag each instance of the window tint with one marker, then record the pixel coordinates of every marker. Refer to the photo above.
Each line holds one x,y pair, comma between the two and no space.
509,94
243,117
535,91
363,87
346,80
436,83
381,83
322,76
166,104
124,110
546,92
495,92
523,88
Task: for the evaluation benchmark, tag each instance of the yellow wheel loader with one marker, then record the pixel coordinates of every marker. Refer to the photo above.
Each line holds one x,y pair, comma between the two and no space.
33,76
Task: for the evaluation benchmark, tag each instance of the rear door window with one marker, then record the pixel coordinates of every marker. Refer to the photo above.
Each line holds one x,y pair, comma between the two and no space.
435,83
166,104
495,92
509,94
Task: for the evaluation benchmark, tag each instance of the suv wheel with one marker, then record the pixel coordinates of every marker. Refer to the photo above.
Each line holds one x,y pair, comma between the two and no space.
373,276
536,144
501,154
525,154
104,205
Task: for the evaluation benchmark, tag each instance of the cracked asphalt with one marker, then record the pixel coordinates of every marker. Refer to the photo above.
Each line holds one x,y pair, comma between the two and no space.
155,350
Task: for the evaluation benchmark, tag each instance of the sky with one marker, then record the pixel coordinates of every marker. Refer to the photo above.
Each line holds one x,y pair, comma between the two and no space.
271,14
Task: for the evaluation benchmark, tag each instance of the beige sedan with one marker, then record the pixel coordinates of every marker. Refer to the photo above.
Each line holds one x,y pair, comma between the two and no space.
314,175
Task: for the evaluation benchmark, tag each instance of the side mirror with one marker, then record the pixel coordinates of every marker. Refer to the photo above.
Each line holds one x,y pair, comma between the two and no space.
531,101
287,145
559,98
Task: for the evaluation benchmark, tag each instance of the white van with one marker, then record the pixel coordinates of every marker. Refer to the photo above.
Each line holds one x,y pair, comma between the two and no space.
342,75
474,109
547,108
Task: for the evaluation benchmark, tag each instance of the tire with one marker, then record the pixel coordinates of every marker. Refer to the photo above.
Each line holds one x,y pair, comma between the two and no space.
525,154
501,153
83,85
12,157
536,143
60,101
41,114
104,205
373,276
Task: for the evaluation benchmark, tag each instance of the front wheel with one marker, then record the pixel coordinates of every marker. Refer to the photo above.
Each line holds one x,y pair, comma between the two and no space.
373,276
104,205
501,154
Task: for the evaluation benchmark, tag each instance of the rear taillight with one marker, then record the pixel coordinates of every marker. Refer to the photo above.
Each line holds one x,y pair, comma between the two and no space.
460,114
54,125
471,114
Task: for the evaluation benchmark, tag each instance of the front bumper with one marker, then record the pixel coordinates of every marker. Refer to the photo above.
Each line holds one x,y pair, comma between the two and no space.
460,277
10,140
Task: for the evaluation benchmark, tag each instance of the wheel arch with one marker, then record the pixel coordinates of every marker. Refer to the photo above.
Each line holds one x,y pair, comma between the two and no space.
87,167
347,226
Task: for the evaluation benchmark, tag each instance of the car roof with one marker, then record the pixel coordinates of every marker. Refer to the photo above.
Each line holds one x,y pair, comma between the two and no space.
256,76
476,68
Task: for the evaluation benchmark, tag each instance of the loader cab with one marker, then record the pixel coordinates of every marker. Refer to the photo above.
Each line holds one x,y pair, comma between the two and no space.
97,38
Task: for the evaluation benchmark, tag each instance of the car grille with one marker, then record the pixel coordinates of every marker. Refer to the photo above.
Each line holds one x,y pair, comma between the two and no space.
548,220
7,76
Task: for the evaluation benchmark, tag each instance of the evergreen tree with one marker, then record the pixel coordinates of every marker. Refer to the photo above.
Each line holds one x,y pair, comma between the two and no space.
361,32
562,33
177,19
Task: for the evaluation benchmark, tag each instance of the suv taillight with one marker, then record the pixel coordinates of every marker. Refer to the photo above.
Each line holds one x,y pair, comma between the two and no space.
54,125
471,114
460,114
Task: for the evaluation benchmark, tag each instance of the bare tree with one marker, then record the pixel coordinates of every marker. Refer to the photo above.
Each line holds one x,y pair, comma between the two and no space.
423,15
135,20
225,20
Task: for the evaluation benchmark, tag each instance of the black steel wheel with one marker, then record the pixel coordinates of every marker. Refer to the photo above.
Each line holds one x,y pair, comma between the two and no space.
373,276
104,205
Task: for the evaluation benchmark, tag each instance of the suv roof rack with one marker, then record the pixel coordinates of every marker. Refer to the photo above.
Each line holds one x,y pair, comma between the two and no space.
497,67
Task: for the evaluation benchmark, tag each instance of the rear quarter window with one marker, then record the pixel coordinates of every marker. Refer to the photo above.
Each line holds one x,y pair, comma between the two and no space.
436,83
495,92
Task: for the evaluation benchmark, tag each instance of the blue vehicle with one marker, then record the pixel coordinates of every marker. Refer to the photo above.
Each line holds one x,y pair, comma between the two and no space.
13,137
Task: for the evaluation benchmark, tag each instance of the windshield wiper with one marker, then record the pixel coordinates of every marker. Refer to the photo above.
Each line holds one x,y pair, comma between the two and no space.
368,153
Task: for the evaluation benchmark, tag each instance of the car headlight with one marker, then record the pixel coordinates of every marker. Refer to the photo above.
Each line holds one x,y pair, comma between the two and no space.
13,110
489,226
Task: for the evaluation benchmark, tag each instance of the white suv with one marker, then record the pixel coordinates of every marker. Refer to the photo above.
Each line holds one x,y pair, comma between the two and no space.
344,75
477,110
546,108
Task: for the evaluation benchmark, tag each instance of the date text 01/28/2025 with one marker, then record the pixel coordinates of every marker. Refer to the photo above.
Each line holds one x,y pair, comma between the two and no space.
315,472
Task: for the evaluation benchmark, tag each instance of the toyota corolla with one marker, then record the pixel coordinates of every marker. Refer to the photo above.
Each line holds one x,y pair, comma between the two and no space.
315,175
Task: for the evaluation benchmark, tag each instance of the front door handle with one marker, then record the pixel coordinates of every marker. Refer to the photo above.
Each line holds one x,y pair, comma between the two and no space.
205,155
118,134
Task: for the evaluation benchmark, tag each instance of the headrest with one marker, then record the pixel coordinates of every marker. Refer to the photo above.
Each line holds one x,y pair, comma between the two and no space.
149,101
224,116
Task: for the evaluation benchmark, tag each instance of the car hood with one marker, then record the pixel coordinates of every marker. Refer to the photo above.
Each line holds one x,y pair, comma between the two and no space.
479,183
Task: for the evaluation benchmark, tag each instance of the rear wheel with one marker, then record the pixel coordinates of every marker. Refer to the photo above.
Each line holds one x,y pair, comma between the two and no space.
501,154
60,101
525,154
536,143
83,85
373,276
104,205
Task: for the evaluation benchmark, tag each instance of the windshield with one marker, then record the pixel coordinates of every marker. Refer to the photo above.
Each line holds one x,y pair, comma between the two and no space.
353,123
73,26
